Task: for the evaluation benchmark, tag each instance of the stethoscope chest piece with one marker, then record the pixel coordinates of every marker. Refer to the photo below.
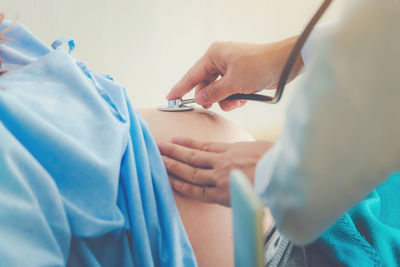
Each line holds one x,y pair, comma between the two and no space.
176,109
177,105
180,104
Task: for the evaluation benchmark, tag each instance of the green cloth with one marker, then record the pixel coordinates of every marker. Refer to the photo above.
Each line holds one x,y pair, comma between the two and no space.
367,235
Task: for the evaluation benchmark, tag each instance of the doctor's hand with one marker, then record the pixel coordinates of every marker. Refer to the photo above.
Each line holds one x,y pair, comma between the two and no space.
228,68
200,170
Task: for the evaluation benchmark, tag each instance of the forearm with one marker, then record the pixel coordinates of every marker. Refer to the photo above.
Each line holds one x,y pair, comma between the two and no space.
281,52
309,49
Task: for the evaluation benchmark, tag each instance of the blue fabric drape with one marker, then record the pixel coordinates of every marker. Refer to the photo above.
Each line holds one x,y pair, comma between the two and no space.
81,180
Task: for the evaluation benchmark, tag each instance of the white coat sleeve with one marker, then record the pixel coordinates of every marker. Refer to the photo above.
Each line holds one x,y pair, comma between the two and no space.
341,137
319,33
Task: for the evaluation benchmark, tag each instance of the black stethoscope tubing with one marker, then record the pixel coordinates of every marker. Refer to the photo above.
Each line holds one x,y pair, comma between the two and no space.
290,62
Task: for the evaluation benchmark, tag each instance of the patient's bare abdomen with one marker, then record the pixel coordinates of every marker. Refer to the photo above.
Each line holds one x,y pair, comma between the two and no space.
209,227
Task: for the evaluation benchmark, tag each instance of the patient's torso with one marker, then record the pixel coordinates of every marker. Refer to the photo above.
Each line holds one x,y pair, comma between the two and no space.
209,226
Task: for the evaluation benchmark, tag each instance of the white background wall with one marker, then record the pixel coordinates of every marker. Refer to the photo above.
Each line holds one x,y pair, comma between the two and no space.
148,45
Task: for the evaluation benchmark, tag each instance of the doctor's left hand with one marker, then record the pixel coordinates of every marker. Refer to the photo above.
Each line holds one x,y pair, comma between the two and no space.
200,170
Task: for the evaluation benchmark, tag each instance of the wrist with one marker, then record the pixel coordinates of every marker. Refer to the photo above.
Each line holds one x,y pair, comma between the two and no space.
274,57
287,46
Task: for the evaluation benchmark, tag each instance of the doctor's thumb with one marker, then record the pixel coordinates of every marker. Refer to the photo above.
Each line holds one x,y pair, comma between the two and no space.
212,93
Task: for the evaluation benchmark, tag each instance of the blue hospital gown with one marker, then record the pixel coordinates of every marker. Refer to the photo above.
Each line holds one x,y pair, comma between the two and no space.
82,182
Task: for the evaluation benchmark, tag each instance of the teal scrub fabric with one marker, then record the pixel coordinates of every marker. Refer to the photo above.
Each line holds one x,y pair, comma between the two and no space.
82,182
367,235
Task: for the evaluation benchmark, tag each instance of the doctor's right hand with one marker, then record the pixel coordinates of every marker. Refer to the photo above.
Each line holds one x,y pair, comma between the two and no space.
228,68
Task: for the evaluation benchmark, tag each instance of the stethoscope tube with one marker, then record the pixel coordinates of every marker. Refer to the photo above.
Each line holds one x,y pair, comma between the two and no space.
290,62
179,104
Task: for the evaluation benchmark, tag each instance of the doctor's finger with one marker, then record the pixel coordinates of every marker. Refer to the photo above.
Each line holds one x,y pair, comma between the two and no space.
192,157
214,92
228,105
216,147
201,193
203,84
202,70
188,173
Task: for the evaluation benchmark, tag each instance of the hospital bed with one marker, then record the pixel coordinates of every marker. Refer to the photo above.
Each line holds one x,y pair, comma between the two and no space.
248,212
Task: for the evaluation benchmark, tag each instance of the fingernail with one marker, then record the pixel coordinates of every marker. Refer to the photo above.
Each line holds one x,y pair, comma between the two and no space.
235,103
169,97
165,161
161,146
177,140
178,184
203,97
